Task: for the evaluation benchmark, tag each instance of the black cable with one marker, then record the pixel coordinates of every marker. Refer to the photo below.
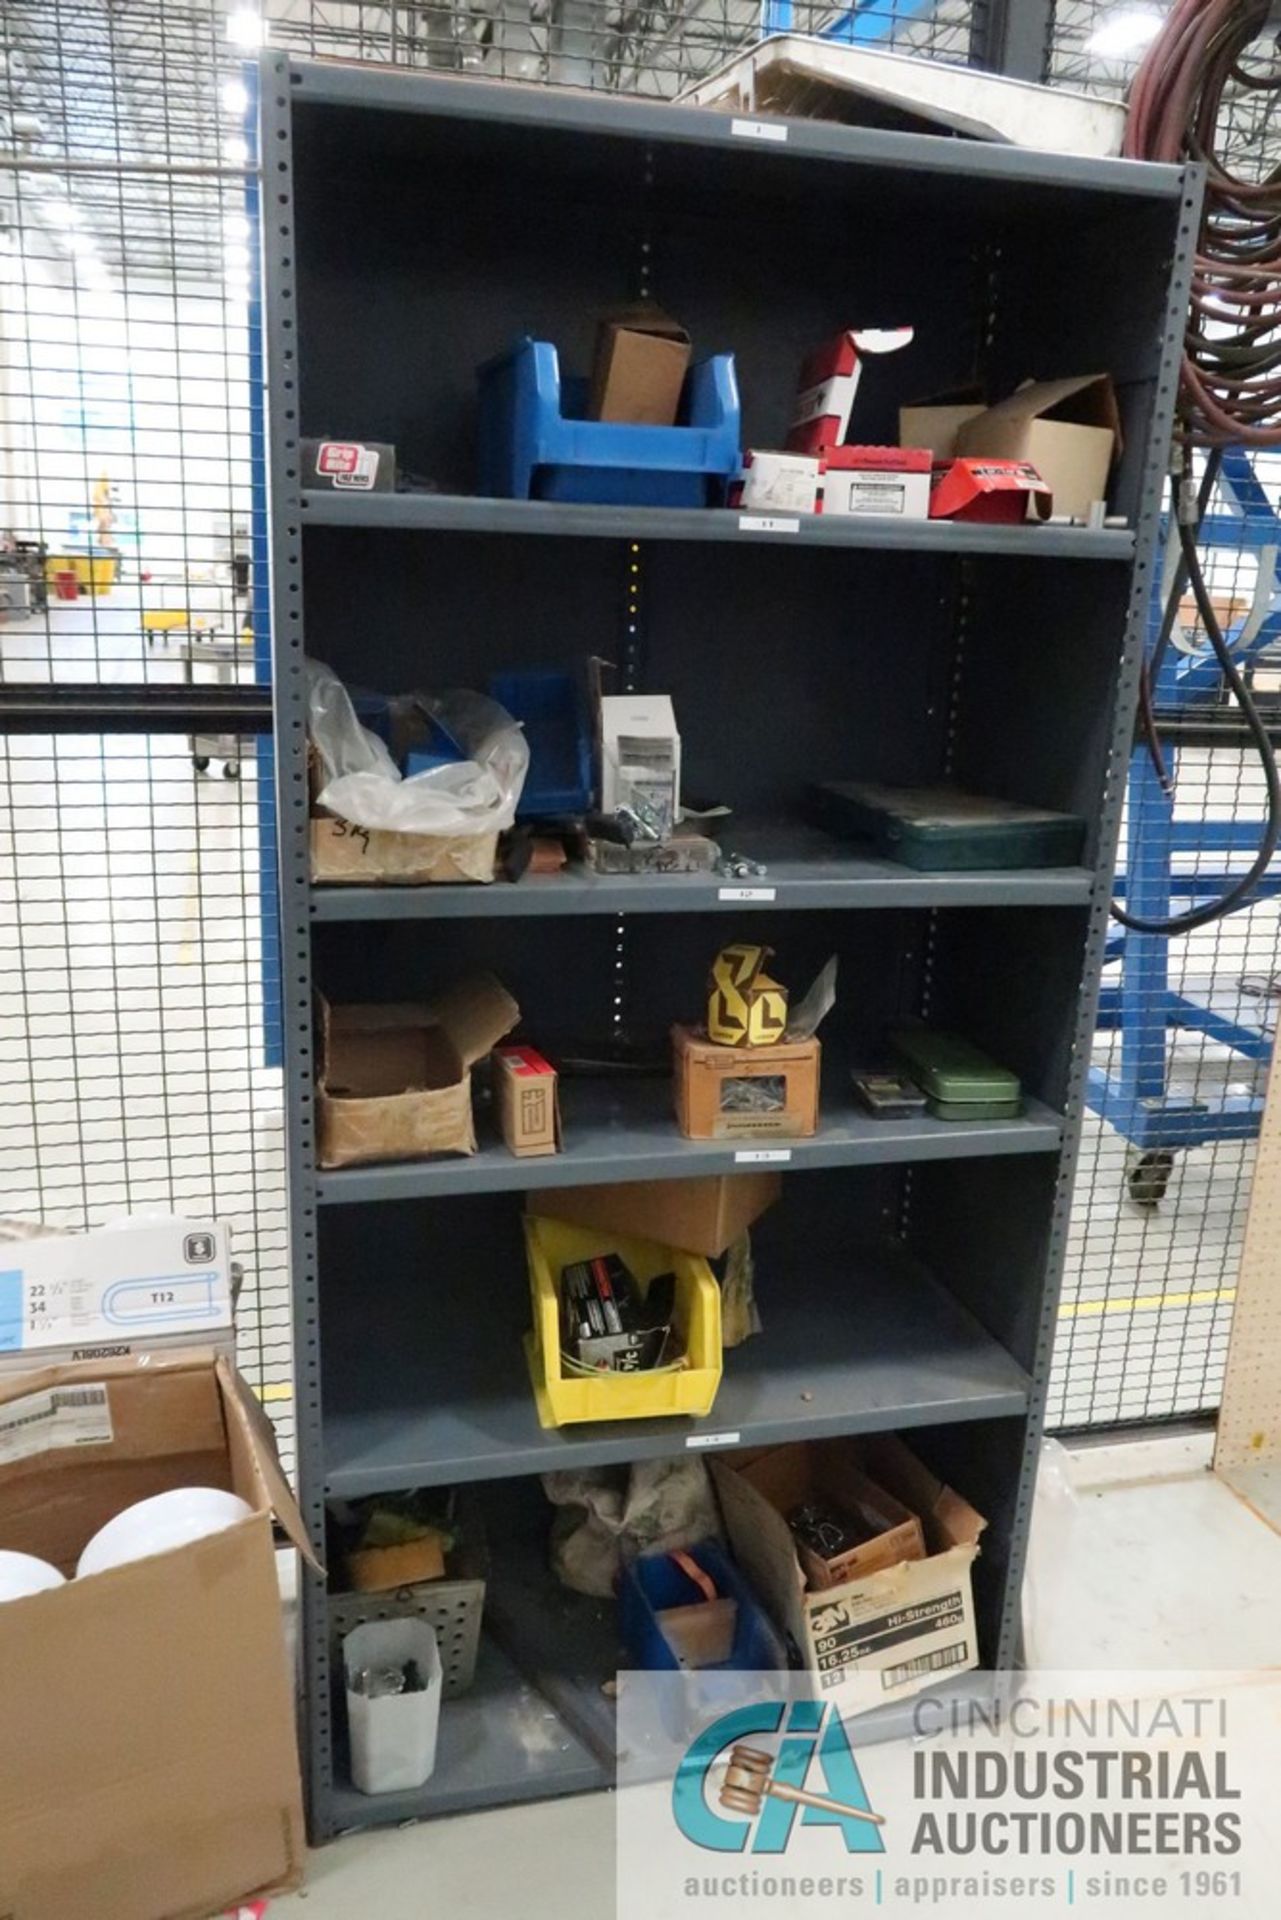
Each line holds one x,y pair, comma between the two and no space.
1215,909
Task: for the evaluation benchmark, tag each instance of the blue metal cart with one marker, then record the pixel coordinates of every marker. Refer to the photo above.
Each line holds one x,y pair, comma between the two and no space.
1134,1093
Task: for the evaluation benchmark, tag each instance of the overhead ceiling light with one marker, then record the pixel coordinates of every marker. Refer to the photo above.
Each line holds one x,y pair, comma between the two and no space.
246,28
235,98
1125,33
236,151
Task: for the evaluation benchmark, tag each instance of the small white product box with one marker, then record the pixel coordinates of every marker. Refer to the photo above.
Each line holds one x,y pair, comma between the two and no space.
890,481
778,483
113,1292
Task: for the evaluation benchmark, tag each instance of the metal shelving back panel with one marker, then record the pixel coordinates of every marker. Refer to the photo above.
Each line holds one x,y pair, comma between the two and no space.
993,212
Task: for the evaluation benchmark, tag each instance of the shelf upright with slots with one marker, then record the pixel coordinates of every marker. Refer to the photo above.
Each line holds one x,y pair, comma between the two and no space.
908,1277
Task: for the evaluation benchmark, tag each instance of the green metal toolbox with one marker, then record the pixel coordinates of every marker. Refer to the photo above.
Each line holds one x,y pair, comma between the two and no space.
941,828
958,1080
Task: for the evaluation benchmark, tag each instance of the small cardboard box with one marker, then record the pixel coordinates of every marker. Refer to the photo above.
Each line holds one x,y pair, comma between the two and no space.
778,482
642,356
141,1286
1069,430
745,1093
745,1008
528,1104
149,1769
347,855
894,481
993,491
890,1631
394,1082
826,1472
829,385
699,1216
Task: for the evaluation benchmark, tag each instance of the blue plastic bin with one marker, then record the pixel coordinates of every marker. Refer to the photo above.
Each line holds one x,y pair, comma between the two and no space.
554,715
654,1582
537,444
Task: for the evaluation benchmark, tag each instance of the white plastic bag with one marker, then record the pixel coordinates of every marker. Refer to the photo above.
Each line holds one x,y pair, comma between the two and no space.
364,785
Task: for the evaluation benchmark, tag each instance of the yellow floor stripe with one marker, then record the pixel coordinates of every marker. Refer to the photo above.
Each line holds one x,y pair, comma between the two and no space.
280,1392
1147,1303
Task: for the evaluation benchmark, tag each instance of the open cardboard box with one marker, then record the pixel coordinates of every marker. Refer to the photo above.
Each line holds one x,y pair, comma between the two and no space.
394,1082
343,854
891,1629
148,1769
705,1215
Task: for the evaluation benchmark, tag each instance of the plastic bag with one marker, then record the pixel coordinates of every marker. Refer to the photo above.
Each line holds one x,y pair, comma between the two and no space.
364,785
607,1513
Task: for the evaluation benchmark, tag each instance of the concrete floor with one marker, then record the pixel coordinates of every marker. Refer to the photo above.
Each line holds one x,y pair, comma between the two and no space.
1142,1560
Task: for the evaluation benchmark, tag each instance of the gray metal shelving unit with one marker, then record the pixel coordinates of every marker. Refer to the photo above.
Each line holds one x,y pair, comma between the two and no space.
908,1278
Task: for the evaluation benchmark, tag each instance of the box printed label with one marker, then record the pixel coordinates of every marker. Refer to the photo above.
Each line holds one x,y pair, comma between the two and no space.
78,1416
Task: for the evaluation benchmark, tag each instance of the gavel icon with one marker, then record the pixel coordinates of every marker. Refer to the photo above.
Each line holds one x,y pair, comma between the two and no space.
748,1781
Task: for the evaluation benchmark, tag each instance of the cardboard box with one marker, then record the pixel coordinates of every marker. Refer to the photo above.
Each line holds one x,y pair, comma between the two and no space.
142,1286
699,1216
149,1769
745,1008
934,424
738,1093
640,758
642,356
394,1082
1069,430
829,383
778,483
826,1472
344,466
891,1631
528,1104
347,855
992,491
877,480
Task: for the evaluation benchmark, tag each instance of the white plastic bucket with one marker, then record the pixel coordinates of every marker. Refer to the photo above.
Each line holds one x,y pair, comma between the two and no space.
393,1739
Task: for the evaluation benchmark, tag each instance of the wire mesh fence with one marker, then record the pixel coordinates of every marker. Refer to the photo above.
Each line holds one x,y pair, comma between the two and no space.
139,971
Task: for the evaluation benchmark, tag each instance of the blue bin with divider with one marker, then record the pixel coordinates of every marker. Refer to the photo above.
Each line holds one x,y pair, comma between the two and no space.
536,442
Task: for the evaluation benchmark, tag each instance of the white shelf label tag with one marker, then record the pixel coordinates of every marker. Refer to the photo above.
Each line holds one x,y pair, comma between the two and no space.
762,1156
712,1440
758,130
746,893
766,523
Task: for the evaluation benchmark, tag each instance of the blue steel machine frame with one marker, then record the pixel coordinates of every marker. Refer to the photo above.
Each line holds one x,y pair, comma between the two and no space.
1134,1095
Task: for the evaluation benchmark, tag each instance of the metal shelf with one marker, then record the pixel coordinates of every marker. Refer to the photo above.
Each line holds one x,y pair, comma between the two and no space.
430,1392
408,1322
461,513
806,870
950,165
499,1742
626,1129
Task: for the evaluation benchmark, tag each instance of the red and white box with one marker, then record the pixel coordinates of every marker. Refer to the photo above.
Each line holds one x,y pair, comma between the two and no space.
526,1092
829,382
889,481
988,490
778,483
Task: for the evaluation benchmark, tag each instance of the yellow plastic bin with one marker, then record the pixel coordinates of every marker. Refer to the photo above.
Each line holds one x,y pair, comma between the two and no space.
95,572
564,1397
